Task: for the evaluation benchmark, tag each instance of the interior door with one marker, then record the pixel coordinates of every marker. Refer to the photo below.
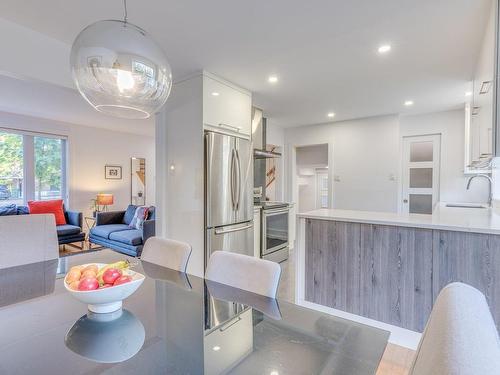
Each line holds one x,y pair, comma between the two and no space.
220,179
244,194
421,161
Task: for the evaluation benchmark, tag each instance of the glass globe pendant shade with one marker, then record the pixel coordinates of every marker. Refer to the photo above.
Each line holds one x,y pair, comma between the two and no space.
120,70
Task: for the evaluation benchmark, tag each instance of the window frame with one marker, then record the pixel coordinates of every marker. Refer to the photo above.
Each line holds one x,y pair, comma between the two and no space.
29,162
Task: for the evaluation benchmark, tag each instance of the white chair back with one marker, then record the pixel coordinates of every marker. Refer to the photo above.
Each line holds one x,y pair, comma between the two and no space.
26,239
244,272
166,253
460,336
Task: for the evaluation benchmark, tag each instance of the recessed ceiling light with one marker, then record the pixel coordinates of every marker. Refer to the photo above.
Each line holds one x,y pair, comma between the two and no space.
215,94
273,79
216,348
468,93
384,48
409,103
331,114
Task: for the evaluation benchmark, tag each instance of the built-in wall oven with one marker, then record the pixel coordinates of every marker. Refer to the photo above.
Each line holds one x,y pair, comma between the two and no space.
275,232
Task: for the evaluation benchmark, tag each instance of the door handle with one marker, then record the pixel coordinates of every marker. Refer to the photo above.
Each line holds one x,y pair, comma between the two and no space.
232,179
230,324
238,169
230,230
405,200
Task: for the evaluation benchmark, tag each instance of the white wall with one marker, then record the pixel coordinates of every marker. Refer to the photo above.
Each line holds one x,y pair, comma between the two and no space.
450,124
180,192
312,155
363,155
366,158
90,149
27,53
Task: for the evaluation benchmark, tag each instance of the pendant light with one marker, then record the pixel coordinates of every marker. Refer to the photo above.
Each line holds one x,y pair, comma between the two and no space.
120,70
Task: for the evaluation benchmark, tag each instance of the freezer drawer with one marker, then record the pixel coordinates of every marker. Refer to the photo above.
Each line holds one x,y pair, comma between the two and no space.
237,238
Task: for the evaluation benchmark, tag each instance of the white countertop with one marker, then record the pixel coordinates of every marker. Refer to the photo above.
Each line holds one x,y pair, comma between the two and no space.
479,220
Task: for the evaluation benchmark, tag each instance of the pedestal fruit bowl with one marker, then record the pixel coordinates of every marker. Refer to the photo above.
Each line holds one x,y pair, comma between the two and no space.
102,286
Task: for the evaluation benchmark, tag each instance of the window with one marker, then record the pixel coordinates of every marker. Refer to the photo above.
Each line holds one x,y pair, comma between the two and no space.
322,188
32,167
11,168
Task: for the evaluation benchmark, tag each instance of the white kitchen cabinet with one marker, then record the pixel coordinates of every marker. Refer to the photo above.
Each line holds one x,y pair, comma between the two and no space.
292,223
226,106
256,232
229,344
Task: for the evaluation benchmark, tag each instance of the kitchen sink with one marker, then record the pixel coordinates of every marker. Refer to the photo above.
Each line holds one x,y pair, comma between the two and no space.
465,205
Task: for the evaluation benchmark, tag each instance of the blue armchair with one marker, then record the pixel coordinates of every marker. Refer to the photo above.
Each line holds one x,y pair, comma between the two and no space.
112,230
72,231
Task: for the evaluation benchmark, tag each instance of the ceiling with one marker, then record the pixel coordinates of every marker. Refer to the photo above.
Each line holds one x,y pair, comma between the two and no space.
324,53
40,99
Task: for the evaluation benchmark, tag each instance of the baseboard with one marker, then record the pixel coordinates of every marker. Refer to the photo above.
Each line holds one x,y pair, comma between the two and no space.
399,336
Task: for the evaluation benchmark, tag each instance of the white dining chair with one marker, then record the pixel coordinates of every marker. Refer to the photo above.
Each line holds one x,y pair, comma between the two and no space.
166,253
460,336
244,272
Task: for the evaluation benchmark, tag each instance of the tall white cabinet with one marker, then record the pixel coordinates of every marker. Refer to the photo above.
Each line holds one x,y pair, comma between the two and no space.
202,101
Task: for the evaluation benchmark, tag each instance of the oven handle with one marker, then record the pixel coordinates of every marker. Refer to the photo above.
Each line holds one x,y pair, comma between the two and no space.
275,211
230,230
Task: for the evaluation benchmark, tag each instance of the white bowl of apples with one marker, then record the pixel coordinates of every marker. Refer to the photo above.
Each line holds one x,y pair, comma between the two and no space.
102,286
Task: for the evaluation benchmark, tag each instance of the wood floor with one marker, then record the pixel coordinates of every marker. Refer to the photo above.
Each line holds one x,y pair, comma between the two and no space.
396,361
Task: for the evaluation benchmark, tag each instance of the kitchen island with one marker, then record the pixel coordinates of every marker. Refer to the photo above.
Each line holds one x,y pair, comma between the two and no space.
390,267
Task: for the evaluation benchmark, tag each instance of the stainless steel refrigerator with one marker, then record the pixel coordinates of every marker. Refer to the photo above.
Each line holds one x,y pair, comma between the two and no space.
228,194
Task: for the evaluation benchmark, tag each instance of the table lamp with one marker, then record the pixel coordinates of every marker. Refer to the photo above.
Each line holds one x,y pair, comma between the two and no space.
104,200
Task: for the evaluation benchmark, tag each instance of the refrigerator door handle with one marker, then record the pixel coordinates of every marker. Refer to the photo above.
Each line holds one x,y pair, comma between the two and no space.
233,178
238,190
230,230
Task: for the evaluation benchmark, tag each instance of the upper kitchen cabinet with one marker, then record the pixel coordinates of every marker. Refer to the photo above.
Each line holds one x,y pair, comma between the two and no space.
226,106
479,107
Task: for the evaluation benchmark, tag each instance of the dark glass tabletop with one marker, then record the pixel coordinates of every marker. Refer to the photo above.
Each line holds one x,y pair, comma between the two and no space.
173,324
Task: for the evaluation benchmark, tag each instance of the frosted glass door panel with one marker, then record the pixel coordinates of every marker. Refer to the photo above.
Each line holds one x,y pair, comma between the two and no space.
420,182
421,178
421,151
420,204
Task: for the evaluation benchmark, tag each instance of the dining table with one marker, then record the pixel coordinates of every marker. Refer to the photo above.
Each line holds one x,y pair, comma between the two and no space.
174,323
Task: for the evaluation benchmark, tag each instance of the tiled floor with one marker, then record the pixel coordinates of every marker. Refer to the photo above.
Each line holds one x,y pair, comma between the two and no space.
396,360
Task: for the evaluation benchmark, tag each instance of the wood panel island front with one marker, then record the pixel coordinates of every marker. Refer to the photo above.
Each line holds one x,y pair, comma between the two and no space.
391,267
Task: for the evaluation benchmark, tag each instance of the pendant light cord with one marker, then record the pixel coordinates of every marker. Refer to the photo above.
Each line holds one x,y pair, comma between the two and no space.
125,14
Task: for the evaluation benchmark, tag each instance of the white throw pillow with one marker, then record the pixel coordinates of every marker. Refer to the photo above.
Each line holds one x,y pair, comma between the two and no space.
140,215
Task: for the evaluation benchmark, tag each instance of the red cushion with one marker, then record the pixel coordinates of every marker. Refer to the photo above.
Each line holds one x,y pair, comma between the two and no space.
49,207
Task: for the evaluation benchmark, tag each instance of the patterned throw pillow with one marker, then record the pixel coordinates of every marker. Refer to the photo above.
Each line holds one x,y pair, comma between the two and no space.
141,213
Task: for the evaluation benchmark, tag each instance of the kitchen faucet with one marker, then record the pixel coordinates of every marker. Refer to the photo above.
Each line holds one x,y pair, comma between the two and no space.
490,195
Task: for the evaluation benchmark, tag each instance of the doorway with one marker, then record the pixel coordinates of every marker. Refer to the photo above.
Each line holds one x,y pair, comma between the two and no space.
312,177
420,182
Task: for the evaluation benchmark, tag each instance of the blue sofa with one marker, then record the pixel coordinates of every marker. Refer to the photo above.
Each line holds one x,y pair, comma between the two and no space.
112,230
69,233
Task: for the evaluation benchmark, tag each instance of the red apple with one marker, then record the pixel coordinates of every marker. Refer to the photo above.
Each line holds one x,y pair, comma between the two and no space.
122,280
110,275
88,283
